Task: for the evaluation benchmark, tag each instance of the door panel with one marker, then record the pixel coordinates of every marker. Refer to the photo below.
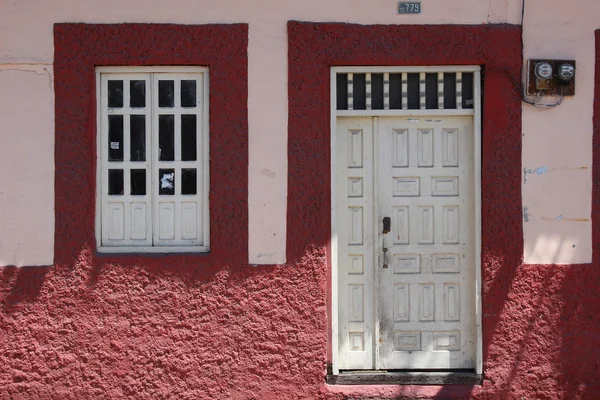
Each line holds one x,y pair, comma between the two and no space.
354,199
406,297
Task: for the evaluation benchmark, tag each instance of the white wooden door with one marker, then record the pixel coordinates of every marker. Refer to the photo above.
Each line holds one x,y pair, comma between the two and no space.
406,287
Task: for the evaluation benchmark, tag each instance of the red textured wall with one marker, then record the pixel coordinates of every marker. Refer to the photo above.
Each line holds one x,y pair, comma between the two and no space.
211,326
541,332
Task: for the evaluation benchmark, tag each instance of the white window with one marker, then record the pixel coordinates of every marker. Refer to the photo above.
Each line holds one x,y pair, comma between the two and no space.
152,160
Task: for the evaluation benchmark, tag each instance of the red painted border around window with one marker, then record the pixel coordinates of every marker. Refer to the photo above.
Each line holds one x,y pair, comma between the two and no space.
81,47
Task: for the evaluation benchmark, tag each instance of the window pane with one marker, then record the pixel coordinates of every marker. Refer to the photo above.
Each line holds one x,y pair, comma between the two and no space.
115,94
137,138
342,91
115,138
166,178
395,91
360,91
166,137
138,182
188,181
413,87
188,93
431,92
450,90
377,90
137,91
188,138
115,181
166,90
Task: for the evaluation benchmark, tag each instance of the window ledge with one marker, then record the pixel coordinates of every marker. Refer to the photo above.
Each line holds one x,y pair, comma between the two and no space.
154,250
405,378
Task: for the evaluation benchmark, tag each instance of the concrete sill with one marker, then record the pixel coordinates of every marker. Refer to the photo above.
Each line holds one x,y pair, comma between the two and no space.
460,377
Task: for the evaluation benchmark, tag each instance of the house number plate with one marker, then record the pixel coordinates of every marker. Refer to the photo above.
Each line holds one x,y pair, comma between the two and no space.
413,7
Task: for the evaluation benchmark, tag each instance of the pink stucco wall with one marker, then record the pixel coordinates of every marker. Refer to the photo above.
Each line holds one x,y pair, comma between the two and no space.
27,47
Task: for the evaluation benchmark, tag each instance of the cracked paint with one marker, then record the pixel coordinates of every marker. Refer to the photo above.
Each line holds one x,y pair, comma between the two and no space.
537,171
542,170
29,69
526,214
268,172
561,218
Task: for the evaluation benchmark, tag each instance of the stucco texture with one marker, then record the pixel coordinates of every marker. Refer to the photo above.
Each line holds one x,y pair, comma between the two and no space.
540,328
212,326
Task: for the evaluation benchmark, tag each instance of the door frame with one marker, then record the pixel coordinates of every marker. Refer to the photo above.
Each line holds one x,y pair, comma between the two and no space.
476,113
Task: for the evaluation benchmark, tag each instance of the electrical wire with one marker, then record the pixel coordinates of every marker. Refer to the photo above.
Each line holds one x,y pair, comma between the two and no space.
539,94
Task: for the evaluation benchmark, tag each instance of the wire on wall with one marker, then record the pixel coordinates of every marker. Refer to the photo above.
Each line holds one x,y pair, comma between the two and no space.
536,102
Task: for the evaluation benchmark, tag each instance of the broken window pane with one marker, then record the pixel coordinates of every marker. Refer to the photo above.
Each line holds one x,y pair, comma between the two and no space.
166,181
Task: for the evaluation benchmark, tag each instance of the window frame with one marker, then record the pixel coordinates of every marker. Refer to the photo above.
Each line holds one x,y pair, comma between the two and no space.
204,166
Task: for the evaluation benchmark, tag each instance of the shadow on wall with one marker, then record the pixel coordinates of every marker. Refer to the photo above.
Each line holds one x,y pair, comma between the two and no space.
25,284
100,329
22,284
541,325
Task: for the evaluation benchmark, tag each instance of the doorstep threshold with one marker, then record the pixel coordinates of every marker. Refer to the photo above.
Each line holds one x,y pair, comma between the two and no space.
373,377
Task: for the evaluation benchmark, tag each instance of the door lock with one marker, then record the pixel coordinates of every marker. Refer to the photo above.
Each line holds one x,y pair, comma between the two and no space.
387,222
385,249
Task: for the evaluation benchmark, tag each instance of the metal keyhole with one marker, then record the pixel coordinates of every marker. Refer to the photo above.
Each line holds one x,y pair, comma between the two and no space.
385,265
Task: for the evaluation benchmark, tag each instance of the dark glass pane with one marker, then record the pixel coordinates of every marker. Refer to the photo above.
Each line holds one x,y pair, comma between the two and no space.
115,94
137,94
414,102
188,137
431,92
395,91
166,96
166,137
188,93
188,181
115,138
137,138
341,87
359,92
377,91
115,181
138,182
166,181
450,90
467,90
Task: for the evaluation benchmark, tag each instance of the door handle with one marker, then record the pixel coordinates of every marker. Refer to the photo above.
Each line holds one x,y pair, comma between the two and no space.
387,222
384,249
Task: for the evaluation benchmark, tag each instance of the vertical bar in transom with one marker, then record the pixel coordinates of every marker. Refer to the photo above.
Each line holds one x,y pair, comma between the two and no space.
459,90
440,79
404,91
422,100
350,91
368,90
386,91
